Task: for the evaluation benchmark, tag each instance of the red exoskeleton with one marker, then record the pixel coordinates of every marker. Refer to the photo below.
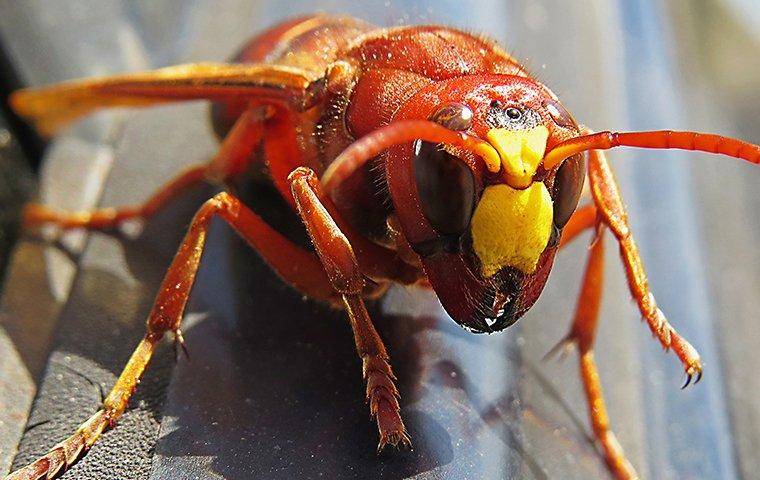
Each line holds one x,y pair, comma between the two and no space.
411,155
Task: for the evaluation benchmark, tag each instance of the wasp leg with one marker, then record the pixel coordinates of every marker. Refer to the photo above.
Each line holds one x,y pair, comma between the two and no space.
582,219
298,267
346,278
237,150
282,151
36,215
52,108
607,197
581,335
234,155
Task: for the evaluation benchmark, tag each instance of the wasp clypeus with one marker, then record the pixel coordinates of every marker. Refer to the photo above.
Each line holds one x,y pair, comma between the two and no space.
482,166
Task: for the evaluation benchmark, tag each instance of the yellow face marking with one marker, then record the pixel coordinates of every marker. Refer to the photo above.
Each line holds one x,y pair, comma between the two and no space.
511,227
521,151
489,155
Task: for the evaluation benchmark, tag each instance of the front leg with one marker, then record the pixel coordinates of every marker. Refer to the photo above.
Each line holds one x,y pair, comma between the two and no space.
609,203
346,278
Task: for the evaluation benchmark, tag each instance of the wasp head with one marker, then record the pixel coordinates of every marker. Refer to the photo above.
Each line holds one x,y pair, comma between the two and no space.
486,234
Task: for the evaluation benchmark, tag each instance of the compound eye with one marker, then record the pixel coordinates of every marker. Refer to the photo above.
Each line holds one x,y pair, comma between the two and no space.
446,188
568,185
445,184
454,116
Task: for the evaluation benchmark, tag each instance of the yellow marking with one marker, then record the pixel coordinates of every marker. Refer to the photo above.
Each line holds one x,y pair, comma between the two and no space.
521,151
489,155
511,227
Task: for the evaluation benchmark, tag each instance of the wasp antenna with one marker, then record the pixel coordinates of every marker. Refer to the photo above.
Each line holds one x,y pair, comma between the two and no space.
702,142
402,131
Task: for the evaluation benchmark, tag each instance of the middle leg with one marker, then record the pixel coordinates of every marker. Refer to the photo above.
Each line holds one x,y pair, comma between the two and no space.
582,335
234,155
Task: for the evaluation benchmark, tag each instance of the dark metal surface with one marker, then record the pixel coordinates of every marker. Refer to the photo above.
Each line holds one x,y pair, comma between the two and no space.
273,388
15,187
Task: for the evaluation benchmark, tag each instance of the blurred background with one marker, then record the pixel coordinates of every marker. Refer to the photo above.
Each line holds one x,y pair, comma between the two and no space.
273,388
